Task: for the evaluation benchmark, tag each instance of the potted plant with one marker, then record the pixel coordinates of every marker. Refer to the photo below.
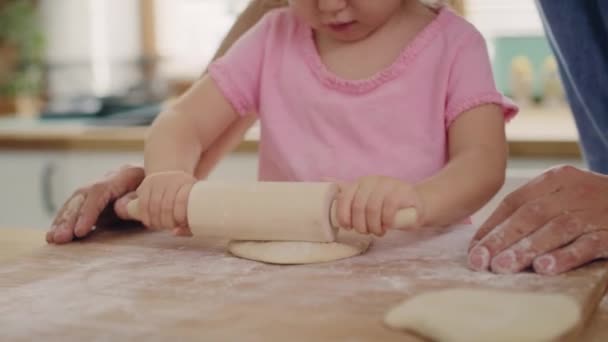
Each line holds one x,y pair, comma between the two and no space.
21,54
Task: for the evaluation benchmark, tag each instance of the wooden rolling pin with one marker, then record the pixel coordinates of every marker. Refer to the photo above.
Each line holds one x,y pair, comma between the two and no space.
260,211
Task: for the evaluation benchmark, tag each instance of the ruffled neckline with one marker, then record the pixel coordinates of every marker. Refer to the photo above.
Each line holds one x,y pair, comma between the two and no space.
409,52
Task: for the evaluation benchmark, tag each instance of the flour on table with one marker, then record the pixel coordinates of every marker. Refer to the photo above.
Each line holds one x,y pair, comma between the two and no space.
147,286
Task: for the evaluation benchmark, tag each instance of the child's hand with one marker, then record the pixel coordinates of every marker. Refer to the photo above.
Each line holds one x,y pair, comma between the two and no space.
163,200
369,205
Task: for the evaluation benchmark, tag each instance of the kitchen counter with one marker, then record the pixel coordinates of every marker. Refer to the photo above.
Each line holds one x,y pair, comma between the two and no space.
81,135
529,135
129,285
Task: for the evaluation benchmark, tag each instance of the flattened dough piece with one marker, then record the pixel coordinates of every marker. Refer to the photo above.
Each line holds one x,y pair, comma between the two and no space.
471,315
348,244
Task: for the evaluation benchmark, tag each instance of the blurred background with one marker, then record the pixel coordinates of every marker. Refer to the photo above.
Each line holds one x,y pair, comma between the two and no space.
80,80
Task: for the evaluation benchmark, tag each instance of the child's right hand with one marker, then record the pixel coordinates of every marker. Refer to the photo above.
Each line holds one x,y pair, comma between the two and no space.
369,205
163,200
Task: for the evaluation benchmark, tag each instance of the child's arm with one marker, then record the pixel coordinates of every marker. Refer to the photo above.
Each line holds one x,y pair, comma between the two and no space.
182,132
233,135
181,135
255,10
477,154
173,148
475,171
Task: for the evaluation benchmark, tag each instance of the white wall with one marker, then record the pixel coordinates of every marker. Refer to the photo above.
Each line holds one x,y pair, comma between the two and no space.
504,18
190,31
96,35
89,42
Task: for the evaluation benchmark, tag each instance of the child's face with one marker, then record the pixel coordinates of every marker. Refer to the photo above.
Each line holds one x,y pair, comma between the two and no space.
346,20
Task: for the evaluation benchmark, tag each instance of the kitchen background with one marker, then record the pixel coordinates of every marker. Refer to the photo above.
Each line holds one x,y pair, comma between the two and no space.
81,79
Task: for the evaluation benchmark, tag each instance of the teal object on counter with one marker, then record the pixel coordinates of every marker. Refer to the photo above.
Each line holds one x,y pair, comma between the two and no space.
535,48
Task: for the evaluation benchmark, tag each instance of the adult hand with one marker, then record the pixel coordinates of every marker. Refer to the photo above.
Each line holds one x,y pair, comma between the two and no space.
555,223
92,205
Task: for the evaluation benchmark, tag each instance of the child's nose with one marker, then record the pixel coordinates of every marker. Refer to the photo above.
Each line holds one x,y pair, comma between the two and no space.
332,5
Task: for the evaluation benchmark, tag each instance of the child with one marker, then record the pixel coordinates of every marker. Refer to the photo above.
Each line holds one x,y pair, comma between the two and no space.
393,98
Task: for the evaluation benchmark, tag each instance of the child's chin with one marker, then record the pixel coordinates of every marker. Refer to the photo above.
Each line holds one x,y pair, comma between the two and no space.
348,36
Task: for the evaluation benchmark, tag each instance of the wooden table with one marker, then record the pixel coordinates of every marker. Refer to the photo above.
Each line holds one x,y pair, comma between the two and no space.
135,285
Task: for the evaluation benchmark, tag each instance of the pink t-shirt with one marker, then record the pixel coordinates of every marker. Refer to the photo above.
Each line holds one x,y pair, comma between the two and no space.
316,125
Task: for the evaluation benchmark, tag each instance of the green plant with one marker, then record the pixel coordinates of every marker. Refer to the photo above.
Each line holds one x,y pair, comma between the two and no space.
21,48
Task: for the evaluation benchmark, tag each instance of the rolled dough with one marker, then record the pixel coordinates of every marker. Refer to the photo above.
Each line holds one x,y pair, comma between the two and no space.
471,315
347,245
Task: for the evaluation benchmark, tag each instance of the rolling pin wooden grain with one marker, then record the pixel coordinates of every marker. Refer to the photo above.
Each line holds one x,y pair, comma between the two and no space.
261,211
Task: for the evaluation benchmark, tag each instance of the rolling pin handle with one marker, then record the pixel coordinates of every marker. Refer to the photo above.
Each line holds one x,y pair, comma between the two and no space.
405,219
133,210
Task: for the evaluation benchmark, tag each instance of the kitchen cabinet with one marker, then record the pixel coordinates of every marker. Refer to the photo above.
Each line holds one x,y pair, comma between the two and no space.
41,165
43,162
28,181
34,184
81,168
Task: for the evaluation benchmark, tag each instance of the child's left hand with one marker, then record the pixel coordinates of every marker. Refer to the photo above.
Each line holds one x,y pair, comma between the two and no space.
369,204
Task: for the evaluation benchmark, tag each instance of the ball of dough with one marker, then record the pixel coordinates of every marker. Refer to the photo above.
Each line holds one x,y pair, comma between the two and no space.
476,315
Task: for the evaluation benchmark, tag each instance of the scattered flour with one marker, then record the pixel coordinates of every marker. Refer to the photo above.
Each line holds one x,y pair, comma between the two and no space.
134,290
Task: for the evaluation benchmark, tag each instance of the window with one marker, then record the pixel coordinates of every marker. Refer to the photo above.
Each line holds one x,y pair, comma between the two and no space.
500,17
504,18
189,32
92,46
